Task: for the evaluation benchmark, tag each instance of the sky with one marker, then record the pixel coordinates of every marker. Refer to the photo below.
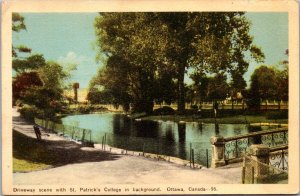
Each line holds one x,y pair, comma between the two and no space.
69,38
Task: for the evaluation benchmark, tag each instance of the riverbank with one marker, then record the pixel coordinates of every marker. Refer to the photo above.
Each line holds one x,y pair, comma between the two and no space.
238,119
68,162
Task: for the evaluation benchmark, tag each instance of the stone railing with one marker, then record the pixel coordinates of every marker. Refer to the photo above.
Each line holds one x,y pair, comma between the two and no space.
232,149
265,165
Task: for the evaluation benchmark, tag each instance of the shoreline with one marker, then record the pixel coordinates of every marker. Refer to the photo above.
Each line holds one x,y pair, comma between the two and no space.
237,119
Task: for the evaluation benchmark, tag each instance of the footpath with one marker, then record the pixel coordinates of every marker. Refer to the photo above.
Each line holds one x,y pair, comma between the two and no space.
86,166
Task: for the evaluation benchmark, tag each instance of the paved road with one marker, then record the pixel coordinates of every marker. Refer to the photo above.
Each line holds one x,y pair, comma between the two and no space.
121,169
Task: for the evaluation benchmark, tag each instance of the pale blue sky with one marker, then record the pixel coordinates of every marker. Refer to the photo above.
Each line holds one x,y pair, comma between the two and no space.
68,38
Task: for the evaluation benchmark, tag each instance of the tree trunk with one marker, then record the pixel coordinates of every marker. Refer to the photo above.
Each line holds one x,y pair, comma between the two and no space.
181,90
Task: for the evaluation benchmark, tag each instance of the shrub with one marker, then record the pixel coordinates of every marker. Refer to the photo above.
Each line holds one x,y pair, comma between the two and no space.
282,114
194,107
30,112
85,109
165,110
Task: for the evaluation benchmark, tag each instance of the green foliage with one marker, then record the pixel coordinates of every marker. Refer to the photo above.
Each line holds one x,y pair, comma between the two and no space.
100,97
40,89
30,112
85,109
268,83
18,22
30,63
165,110
148,53
279,114
217,88
52,75
24,81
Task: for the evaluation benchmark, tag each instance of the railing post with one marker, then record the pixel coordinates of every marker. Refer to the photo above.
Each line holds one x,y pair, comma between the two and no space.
218,148
260,154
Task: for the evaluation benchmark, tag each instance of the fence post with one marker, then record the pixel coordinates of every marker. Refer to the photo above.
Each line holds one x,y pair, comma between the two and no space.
83,136
244,170
243,175
104,141
260,154
207,158
190,154
282,159
193,158
218,148
90,136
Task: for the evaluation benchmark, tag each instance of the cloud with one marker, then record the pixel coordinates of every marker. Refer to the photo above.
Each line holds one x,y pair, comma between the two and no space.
72,58
86,67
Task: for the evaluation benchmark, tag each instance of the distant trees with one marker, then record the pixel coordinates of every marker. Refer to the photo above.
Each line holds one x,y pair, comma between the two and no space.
268,83
148,54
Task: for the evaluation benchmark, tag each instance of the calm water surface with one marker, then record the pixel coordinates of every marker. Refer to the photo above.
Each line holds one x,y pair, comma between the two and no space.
162,137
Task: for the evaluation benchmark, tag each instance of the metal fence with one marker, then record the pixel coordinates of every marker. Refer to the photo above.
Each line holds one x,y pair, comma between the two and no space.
278,158
189,151
238,146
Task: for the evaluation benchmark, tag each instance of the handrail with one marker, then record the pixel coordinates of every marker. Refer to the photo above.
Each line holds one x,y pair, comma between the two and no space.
274,149
227,139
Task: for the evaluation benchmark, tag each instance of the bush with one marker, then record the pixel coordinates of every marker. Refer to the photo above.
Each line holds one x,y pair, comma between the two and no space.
30,112
282,114
85,109
194,107
165,110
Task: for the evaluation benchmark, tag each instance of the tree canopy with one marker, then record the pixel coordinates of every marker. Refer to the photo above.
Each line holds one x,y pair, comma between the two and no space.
140,48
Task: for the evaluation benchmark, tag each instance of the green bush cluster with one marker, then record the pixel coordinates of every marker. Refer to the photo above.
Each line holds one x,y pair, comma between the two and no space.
85,109
30,112
165,110
279,114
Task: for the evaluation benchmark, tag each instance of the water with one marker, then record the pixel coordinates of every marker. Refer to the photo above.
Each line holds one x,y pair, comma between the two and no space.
162,137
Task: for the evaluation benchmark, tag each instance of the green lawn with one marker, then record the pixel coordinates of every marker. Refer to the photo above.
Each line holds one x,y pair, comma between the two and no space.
29,154
20,165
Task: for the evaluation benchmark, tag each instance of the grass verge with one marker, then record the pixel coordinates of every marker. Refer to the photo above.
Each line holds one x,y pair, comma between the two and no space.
20,165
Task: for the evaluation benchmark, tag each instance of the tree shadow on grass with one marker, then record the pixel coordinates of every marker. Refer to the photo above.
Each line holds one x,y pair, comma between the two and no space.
55,153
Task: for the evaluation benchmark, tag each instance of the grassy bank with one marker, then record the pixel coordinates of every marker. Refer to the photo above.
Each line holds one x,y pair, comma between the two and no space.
29,154
238,119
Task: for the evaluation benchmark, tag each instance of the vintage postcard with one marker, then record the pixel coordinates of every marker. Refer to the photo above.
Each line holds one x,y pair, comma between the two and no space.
148,97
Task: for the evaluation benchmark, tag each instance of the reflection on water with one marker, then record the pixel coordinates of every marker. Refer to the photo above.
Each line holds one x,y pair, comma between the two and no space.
163,137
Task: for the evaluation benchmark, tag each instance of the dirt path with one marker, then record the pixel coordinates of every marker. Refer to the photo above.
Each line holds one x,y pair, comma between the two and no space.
78,166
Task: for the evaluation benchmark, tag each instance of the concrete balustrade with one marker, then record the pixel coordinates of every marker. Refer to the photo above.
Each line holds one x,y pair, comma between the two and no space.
218,148
259,153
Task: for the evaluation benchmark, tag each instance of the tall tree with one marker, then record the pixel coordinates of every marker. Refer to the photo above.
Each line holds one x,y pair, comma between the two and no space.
263,86
149,42
218,88
18,24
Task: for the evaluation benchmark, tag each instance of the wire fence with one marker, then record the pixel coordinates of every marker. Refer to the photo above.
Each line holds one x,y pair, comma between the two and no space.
193,152
68,131
255,172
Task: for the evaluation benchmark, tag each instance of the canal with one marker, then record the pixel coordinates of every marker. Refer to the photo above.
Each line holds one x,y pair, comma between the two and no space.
159,137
